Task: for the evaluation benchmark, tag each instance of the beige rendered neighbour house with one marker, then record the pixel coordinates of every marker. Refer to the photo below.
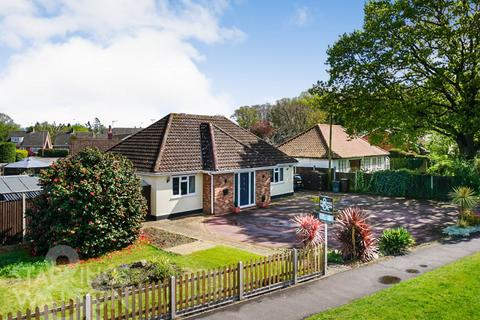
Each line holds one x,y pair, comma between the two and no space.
207,164
349,154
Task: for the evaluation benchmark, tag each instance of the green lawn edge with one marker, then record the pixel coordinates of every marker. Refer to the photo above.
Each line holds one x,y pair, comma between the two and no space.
61,283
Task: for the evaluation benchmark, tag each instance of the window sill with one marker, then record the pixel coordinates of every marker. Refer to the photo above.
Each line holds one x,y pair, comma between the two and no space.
175,197
280,182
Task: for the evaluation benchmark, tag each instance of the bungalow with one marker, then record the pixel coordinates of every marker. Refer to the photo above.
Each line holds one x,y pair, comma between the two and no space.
349,154
32,141
196,163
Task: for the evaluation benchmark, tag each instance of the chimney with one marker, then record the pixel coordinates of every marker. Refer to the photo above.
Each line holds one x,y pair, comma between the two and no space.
110,133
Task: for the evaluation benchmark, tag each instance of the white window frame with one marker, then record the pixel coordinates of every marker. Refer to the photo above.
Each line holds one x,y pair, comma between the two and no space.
184,179
276,171
16,139
367,164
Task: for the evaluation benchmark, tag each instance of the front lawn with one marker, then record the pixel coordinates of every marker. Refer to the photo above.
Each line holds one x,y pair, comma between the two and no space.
450,292
26,282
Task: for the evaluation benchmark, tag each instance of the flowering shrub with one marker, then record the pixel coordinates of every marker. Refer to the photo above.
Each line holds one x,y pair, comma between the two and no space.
355,235
309,230
91,202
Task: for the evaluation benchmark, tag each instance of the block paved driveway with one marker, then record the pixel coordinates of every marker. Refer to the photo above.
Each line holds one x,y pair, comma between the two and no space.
272,226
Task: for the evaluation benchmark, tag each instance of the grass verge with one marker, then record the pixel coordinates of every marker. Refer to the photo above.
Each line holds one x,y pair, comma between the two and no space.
450,292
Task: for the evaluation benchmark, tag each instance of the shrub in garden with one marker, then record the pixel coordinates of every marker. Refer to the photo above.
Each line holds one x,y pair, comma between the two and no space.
466,199
355,235
7,152
91,201
309,230
20,154
395,241
54,153
134,274
391,182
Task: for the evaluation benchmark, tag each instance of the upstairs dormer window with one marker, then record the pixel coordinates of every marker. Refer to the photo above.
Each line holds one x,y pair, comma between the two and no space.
16,139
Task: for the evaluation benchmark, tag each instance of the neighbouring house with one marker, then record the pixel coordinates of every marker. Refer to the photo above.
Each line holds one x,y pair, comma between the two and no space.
196,163
102,141
349,154
62,139
32,141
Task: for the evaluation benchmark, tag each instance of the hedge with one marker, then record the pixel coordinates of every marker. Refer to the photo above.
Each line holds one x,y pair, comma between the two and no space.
409,184
7,152
54,153
20,154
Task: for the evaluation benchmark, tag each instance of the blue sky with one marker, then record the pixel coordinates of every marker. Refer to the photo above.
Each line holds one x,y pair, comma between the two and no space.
132,61
279,57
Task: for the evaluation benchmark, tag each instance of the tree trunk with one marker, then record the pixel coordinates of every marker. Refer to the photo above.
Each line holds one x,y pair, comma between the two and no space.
467,146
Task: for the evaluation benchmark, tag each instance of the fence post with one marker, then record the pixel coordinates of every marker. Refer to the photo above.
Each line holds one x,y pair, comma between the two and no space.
88,307
295,266
173,297
24,218
240,280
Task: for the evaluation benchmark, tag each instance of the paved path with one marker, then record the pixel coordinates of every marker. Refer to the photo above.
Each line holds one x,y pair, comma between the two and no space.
191,247
341,288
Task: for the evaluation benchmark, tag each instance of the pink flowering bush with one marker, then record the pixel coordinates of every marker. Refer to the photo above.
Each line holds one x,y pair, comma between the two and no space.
309,230
91,201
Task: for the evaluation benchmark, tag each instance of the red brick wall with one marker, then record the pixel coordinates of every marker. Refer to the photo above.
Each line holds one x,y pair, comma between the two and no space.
223,191
262,185
206,194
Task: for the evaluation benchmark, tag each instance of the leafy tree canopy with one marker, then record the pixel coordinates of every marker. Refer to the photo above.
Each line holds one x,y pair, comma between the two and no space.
283,119
413,69
54,129
6,124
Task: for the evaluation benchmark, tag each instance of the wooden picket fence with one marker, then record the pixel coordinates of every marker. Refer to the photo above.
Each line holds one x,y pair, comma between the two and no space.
189,293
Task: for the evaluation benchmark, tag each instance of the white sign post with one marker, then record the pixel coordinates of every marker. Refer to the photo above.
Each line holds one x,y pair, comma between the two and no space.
325,214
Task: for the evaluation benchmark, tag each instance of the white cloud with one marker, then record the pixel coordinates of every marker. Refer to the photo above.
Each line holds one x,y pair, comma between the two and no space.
128,60
301,17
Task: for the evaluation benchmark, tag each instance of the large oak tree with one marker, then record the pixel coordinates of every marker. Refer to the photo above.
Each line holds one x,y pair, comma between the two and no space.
413,68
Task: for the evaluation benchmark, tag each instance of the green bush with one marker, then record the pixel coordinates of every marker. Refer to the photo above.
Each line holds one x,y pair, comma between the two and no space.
391,182
395,241
54,153
7,152
134,274
407,163
362,184
334,256
20,154
91,202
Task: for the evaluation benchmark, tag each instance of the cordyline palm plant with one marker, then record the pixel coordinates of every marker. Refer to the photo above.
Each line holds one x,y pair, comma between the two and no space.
309,230
355,235
465,198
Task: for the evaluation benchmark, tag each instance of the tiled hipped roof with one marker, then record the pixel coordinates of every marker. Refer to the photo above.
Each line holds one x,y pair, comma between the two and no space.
313,143
183,143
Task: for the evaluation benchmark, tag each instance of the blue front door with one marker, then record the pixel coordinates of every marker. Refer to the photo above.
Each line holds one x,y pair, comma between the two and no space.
245,188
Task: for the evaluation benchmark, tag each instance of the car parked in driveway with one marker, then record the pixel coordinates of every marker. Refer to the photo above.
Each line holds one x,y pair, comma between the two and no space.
297,182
